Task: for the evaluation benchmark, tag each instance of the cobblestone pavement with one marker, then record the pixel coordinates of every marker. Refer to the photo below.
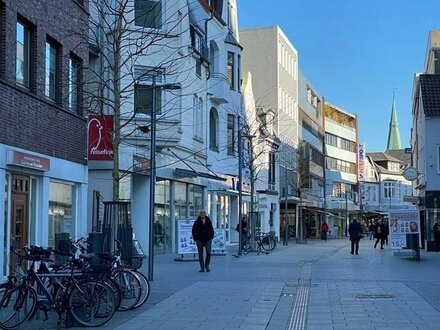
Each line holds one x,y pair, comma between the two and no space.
317,285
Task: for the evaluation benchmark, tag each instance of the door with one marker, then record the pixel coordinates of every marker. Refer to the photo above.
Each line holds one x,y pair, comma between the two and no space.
20,212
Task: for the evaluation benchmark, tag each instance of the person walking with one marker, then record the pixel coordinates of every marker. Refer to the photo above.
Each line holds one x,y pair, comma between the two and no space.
436,232
371,230
355,232
324,230
203,233
243,231
379,234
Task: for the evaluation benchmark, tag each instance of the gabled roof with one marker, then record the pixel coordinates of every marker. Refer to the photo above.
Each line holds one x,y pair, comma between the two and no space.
382,156
401,155
430,87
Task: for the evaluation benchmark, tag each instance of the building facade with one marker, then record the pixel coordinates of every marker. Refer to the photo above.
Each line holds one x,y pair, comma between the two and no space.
43,168
341,143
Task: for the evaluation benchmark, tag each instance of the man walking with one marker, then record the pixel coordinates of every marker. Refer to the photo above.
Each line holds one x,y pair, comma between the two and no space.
355,232
203,233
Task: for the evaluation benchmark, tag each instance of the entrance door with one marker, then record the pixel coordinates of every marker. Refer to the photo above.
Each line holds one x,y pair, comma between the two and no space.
20,212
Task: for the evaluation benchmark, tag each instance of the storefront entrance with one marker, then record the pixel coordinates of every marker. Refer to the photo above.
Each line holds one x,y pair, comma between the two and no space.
19,230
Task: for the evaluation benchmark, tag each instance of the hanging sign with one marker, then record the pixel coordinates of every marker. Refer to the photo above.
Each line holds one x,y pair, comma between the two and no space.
100,131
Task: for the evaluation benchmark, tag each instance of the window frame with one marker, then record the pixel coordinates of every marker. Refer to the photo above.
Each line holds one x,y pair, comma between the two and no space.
230,67
50,70
27,58
74,84
213,129
158,25
198,117
230,131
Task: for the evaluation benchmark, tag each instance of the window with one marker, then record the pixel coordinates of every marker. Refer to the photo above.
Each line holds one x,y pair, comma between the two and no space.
331,139
272,178
390,190
73,84
23,59
231,134
213,129
51,74
198,117
393,166
230,73
61,211
239,71
143,99
148,13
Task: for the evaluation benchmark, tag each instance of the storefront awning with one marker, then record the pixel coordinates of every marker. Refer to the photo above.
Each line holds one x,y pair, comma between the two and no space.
193,174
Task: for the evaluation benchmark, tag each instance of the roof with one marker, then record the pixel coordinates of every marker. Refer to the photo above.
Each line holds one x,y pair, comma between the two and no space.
382,156
401,155
394,132
430,89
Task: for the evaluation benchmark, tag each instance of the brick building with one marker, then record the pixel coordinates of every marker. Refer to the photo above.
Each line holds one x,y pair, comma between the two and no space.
42,128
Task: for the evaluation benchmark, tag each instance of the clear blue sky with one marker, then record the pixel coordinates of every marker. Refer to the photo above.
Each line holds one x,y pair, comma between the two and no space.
356,52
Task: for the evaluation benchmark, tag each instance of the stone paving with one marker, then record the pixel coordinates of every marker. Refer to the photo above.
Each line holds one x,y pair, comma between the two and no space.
317,285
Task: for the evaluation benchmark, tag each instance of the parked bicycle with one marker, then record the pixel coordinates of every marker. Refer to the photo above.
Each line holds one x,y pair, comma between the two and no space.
264,244
89,302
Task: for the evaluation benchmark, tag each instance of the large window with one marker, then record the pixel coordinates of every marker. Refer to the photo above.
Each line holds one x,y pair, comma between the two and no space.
272,177
73,84
231,134
230,69
143,99
148,13
198,117
213,129
61,212
51,68
188,200
23,58
390,190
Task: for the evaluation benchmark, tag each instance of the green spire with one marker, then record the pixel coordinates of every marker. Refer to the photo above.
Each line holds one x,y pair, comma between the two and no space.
394,133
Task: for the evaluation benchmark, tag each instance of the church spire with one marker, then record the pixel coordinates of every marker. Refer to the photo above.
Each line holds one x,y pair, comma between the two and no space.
394,132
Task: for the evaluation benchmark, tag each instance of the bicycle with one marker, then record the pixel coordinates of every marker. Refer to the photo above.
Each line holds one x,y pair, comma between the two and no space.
89,302
264,243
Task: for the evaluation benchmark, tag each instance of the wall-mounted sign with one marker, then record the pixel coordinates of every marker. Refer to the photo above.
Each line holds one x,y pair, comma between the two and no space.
141,164
28,160
361,162
100,130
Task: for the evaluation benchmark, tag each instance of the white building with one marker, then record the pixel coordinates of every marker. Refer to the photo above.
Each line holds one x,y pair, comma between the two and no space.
196,126
273,61
341,140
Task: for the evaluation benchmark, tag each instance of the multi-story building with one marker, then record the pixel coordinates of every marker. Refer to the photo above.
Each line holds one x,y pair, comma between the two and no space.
425,139
311,136
43,168
273,61
191,60
341,141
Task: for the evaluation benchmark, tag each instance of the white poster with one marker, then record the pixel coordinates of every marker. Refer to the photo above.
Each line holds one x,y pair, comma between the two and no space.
401,223
185,242
219,241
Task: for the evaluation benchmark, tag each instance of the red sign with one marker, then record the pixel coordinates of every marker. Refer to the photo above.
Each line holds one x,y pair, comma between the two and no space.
100,130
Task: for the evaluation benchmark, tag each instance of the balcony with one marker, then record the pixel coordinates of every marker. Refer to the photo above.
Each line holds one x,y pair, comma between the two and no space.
219,87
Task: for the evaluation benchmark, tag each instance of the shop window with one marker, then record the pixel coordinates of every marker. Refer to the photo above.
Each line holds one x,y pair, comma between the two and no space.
61,212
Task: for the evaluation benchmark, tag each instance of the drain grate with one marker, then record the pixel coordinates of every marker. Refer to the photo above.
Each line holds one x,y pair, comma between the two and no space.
374,296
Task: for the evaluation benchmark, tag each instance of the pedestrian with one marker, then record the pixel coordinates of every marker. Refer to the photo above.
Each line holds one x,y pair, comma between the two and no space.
436,231
243,231
371,229
203,233
387,231
379,234
355,232
324,230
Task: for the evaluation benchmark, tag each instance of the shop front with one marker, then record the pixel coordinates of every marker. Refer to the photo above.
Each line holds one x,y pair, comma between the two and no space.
44,199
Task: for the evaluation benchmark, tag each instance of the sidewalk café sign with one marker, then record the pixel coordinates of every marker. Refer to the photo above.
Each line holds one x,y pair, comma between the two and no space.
401,223
185,242
219,241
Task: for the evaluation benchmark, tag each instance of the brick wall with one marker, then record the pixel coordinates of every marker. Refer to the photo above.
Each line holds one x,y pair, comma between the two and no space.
27,118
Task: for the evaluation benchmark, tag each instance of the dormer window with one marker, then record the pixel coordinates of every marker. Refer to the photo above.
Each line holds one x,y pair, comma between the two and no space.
393,166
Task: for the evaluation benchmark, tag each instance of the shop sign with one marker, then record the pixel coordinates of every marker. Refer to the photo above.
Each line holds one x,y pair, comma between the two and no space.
30,161
100,131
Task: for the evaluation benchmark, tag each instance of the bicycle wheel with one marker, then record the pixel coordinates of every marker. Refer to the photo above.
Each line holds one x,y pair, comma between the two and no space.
268,243
92,303
16,306
130,287
145,285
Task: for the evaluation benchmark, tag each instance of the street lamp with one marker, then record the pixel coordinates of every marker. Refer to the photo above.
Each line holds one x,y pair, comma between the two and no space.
153,170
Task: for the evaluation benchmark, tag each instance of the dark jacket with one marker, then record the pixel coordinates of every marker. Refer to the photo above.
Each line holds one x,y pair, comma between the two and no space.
436,232
380,231
203,232
355,231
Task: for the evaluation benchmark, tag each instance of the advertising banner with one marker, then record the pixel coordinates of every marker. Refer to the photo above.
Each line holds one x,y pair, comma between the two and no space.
219,241
100,131
401,223
361,162
185,242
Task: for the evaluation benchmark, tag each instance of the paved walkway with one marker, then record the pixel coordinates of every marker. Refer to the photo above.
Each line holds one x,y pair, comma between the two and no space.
300,286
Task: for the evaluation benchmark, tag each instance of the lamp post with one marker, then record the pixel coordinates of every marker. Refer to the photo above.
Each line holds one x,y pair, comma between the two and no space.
153,170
